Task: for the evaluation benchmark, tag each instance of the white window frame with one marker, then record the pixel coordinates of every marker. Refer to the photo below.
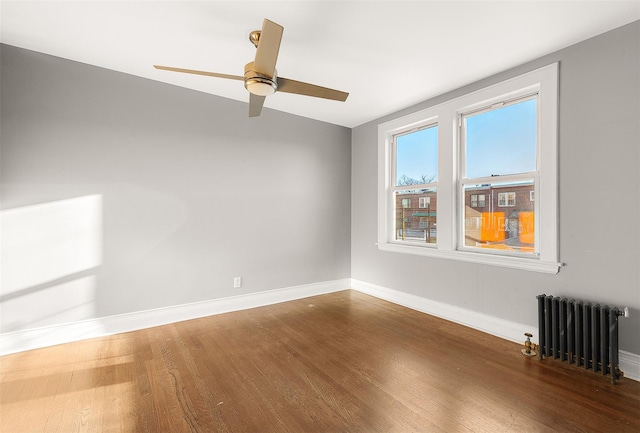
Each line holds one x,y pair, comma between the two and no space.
447,115
424,202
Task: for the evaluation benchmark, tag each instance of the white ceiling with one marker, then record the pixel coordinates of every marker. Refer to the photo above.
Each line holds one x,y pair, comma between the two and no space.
388,55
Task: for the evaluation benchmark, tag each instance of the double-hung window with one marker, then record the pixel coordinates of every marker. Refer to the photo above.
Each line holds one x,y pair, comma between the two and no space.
457,180
498,148
415,180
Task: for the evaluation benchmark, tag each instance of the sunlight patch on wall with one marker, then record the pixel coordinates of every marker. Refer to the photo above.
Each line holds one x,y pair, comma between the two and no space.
49,255
59,303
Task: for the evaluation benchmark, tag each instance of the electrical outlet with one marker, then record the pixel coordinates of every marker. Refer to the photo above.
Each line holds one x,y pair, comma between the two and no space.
237,282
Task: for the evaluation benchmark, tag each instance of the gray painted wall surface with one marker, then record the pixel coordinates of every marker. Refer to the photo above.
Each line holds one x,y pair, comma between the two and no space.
191,191
599,161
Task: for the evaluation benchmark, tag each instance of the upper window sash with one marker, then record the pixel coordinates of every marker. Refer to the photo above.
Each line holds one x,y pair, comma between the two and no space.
463,119
394,156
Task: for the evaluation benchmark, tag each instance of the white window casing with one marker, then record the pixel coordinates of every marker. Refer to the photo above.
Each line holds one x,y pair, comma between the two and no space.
447,115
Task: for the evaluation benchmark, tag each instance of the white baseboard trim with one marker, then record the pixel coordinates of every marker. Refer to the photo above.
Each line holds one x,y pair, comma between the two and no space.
20,341
512,331
491,325
630,364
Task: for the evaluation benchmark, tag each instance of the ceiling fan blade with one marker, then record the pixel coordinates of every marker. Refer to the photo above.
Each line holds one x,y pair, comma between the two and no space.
255,104
192,71
268,48
292,86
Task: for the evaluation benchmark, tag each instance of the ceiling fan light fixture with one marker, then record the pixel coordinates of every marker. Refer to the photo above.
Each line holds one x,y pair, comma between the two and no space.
257,83
260,86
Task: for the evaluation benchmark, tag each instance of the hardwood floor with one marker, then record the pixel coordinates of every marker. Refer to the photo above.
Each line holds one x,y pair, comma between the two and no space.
344,362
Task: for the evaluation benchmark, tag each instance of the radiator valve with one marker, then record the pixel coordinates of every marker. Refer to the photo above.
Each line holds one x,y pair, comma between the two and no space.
528,346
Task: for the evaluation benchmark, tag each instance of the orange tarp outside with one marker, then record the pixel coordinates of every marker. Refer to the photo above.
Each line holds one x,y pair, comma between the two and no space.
491,229
526,223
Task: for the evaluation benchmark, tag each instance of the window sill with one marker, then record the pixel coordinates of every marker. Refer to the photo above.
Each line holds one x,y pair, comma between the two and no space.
522,263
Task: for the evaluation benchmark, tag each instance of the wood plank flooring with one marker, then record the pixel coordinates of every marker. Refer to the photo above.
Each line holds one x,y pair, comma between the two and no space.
343,362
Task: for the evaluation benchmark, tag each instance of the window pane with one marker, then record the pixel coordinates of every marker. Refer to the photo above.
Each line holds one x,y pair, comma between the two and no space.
417,221
417,157
501,141
504,220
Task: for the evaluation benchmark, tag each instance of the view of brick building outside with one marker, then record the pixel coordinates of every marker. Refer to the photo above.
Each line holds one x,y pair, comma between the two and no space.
496,216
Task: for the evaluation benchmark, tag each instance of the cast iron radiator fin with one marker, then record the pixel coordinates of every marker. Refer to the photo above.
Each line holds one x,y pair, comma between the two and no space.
580,333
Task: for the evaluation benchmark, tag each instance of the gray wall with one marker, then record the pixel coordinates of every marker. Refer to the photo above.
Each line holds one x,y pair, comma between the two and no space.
599,161
188,191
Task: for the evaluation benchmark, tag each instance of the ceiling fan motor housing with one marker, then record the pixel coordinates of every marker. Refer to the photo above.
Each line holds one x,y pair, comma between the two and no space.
257,83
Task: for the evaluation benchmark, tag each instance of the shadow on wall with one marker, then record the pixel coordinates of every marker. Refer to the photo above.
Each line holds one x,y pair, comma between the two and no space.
49,257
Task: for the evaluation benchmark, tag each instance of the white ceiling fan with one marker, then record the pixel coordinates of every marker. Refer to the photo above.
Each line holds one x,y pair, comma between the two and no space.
260,77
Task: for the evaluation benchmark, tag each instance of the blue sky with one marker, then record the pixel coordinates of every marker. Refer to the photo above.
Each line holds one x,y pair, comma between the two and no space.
417,153
502,141
499,142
